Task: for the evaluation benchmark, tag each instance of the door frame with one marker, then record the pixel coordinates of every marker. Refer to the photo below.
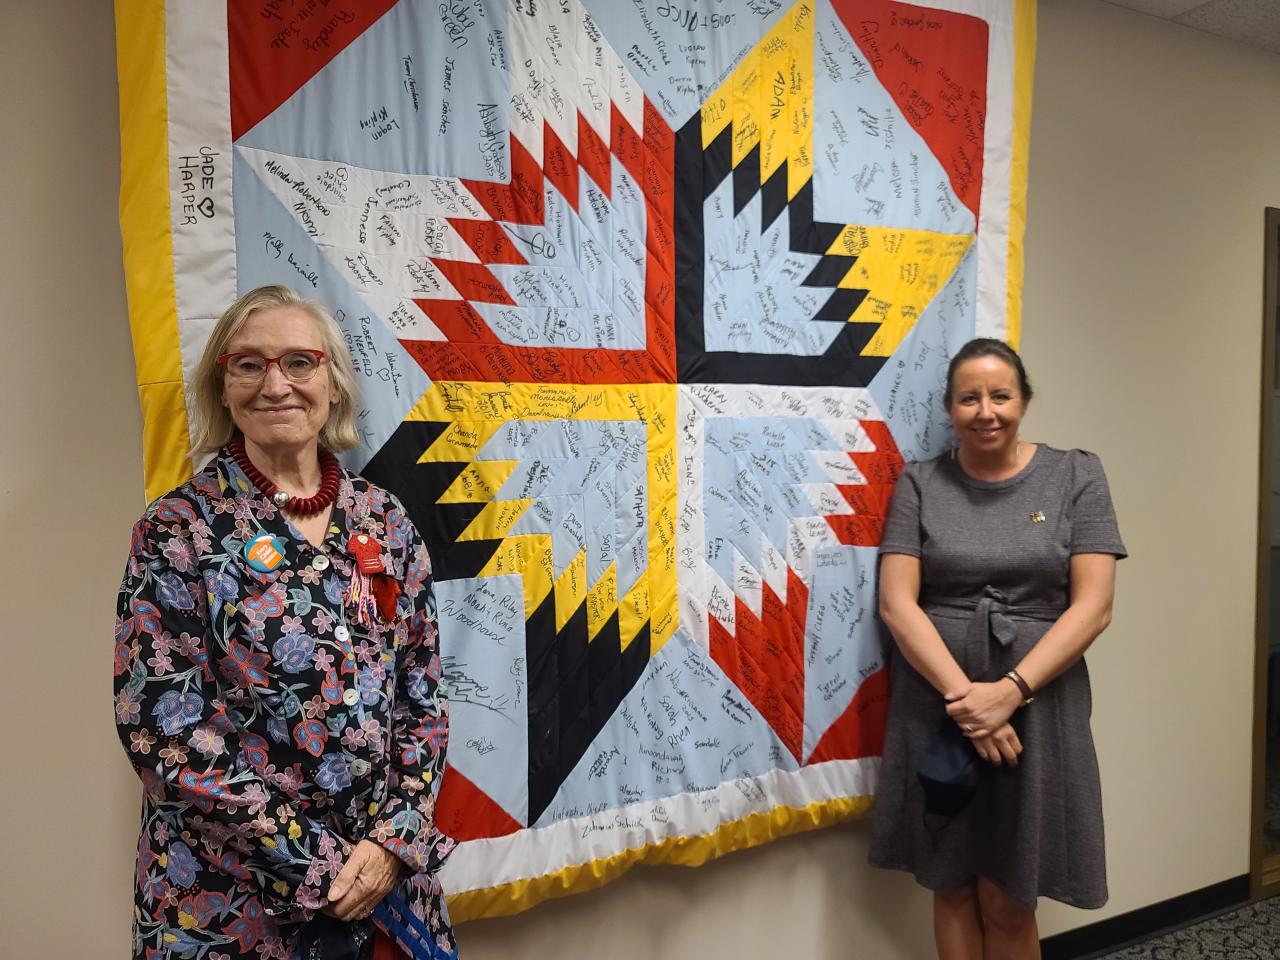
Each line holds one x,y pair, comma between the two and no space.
1264,871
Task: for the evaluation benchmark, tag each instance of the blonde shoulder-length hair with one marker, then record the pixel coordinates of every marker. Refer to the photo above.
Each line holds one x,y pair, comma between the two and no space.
211,423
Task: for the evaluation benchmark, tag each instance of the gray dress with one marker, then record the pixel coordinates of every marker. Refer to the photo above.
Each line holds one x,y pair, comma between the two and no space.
994,576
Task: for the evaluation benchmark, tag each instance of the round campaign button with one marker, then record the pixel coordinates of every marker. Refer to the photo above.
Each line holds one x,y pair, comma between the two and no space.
264,553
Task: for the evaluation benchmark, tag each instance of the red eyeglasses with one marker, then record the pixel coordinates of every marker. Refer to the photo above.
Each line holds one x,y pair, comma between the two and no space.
298,365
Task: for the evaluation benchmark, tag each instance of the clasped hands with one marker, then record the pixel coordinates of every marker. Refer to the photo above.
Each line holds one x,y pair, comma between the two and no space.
982,711
368,875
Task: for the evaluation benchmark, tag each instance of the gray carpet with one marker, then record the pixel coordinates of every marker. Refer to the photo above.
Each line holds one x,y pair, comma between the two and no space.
1247,933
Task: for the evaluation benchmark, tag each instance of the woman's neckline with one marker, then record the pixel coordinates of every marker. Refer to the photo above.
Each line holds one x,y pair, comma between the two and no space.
1008,481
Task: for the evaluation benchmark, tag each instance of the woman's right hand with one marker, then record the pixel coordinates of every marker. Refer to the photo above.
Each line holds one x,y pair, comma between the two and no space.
1000,747
370,873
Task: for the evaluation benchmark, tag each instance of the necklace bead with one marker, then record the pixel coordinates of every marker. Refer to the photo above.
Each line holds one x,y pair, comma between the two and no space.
330,479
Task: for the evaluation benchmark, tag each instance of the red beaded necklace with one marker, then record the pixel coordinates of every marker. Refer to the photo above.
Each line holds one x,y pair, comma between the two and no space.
330,478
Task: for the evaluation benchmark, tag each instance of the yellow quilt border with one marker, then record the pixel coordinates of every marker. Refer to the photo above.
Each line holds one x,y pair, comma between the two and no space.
692,851
1024,55
145,226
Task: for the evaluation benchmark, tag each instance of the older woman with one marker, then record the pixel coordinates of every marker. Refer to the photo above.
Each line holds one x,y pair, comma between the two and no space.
997,571
277,677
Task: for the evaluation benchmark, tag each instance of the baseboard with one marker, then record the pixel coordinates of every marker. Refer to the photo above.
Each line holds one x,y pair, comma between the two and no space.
1116,932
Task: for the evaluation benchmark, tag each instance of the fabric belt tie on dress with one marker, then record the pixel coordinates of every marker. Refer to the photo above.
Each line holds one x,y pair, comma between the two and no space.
991,614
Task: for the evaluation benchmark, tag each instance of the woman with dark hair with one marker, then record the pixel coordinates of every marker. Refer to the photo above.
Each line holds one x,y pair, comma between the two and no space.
997,571
277,675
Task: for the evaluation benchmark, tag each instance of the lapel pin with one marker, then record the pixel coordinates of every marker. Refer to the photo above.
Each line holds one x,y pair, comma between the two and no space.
264,553
1038,517
367,551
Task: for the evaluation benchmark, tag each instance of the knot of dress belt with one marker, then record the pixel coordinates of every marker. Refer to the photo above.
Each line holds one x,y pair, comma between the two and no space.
990,616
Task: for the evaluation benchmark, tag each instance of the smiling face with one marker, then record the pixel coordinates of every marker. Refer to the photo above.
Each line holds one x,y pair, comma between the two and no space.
277,414
986,406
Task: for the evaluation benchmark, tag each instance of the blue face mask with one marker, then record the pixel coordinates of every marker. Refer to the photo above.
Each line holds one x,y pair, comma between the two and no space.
948,771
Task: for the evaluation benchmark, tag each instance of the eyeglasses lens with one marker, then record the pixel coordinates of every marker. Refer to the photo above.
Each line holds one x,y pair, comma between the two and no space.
299,366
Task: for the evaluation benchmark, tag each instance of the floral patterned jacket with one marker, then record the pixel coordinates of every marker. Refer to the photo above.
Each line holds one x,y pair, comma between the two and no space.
273,719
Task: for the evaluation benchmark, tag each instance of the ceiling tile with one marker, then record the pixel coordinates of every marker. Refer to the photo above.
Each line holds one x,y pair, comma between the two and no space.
1159,8
1255,22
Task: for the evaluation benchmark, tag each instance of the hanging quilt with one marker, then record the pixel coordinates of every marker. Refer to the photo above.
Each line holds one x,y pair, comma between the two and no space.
649,301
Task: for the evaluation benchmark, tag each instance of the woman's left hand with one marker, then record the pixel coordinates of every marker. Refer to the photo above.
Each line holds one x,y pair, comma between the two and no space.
984,707
367,876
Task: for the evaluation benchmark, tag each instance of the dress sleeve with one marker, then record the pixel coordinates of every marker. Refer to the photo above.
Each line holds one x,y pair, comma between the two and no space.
902,526
420,724
1093,518
198,769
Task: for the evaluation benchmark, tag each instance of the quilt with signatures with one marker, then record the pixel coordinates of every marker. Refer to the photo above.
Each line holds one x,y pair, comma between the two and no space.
649,301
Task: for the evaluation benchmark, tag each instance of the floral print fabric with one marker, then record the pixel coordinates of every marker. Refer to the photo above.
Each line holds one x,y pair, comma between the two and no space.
275,718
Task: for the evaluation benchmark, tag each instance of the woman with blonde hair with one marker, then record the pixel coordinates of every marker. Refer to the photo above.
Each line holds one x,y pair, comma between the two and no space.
277,673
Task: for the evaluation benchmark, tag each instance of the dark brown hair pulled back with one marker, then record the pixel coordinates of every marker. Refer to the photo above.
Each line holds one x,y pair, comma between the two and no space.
987,347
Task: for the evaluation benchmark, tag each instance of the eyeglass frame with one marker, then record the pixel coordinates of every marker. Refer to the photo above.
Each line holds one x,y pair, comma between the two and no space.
225,359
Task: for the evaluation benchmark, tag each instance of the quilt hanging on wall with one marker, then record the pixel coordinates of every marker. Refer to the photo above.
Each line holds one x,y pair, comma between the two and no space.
649,301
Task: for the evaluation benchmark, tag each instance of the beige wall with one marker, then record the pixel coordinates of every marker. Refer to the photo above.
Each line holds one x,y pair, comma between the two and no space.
69,487
1153,154
1154,151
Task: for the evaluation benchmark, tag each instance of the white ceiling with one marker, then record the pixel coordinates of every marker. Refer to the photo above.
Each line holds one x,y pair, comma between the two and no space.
1255,22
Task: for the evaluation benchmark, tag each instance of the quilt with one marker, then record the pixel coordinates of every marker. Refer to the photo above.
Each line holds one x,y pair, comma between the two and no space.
649,302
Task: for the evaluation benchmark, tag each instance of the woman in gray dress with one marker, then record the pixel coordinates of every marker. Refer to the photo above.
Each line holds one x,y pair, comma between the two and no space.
997,571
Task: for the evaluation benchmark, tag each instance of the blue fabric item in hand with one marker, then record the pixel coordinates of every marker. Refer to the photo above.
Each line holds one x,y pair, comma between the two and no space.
948,771
414,936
